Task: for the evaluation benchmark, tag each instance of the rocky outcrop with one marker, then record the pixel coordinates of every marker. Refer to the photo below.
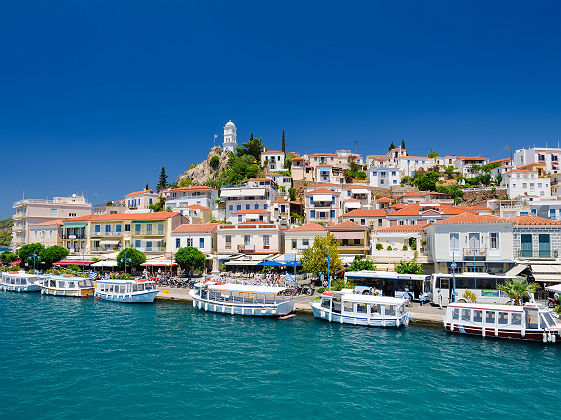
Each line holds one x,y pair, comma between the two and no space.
201,173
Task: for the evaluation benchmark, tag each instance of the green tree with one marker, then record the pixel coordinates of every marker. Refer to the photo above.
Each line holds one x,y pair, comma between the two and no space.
403,143
25,253
449,170
392,146
314,259
432,155
253,147
408,267
53,254
185,182
158,205
518,288
453,190
239,169
162,182
8,256
292,194
134,258
190,258
499,179
147,187
288,160
359,264
426,180
283,143
214,162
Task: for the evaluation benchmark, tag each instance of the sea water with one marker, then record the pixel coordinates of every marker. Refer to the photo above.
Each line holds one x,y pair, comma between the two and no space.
85,358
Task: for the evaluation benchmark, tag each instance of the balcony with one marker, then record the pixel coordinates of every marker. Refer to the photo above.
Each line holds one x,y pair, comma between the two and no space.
246,248
322,204
150,248
475,252
18,216
148,233
106,249
81,236
99,234
544,254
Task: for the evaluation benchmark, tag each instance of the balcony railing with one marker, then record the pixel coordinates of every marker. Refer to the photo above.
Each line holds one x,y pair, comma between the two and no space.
150,248
475,252
112,233
539,254
148,233
106,249
246,248
83,236
322,204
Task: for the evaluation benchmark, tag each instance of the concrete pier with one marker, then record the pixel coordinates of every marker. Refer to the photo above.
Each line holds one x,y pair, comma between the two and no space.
420,315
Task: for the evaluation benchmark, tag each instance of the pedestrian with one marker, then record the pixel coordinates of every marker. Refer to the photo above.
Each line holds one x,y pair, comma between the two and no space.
439,297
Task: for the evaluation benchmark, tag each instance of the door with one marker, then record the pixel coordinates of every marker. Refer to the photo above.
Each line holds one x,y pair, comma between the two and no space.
526,245
544,246
473,241
531,318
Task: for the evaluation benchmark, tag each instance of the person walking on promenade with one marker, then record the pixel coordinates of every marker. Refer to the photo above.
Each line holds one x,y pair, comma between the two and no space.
439,297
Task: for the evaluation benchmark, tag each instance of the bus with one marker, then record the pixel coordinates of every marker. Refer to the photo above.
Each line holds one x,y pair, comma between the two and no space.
483,285
392,284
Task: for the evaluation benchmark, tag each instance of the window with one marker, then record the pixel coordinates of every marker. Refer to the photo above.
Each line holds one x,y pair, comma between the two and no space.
473,240
97,228
127,227
332,214
266,240
201,243
53,213
71,214
379,222
466,314
552,213
256,207
248,206
137,243
348,307
118,228
149,229
294,244
228,240
137,229
107,228
312,214
455,313
494,240
490,317
305,242
503,318
189,241
50,233
178,242
477,315
247,240
516,319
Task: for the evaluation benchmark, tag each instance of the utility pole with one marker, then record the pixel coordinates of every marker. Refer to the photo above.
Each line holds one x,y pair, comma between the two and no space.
356,147
509,148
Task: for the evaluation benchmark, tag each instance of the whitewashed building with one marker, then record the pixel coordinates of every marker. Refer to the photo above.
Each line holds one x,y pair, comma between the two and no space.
524,182
274,159
300,238
249,238
255,194
380,177
193,195
230,141
200,236
547,155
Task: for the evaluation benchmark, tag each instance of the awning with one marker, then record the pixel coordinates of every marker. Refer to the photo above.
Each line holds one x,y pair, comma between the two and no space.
248,260
347,259
516,270
352,204
75,262
323,197
74,225
546,269
157,264
556,288
109,242
548,278
348,235
106,263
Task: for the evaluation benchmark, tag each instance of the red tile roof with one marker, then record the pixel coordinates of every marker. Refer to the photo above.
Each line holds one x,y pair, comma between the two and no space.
500,160
140,192
324,165
345,226
59,222
195,207
403,228
309,227
471,218
353,186
322,191
528,171
469,158
271,151
323,154
366,213
196,228
529,220
352,199
256,211
191,188
297,158
159,215
384,200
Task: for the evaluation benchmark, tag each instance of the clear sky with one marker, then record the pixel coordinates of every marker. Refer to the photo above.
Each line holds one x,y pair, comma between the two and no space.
97,96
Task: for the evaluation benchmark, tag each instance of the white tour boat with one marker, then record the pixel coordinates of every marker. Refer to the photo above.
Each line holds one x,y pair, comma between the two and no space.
19,282
67,286
127,291
528,322
347,307
241,299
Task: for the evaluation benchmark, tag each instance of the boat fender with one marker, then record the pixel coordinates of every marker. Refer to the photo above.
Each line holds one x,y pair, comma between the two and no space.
321,314
553,338
549,337
330,316
483,332
407,321
397,323
523,332
194,303
452,327
223,309
274,311
340,319
496,332
544,339
354,321
232,310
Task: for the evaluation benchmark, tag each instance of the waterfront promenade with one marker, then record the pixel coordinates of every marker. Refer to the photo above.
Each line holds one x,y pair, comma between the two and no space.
422,315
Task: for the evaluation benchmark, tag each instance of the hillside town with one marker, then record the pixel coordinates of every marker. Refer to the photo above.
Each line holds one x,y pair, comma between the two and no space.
441,214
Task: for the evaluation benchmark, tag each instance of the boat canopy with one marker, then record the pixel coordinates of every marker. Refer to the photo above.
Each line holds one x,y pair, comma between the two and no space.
379,300
245,288
489,306
117,281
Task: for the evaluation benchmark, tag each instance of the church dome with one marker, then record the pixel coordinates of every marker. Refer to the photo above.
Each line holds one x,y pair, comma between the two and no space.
230,124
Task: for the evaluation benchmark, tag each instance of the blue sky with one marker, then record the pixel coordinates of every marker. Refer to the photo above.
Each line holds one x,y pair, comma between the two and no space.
96,96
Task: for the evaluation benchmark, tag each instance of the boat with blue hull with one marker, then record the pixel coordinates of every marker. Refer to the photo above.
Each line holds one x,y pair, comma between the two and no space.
19,282
126,291
346,307
241,299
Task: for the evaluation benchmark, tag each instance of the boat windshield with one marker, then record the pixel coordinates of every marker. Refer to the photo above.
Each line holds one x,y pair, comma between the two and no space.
550,321
85,283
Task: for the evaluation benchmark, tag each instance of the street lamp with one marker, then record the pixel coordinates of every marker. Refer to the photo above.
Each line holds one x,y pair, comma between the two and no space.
328,259
33,257
125,260
453,265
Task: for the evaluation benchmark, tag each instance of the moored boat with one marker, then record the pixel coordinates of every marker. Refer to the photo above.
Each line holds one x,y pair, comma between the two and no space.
126,291
357,309
19,282
528,322
67,286
241,299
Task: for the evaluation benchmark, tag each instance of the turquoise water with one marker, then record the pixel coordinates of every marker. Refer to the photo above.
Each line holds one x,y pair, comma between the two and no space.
68,358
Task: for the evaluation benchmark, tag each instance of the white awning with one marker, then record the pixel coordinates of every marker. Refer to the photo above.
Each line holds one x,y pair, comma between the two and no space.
348,235
546,268
109,242
556,288
352,204
248,260
106,263
323,197
548,278
516,270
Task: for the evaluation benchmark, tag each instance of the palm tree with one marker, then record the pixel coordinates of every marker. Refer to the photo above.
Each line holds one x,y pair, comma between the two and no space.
517,288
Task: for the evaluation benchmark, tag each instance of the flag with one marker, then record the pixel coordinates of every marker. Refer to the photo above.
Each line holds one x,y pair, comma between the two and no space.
92,275
215,136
